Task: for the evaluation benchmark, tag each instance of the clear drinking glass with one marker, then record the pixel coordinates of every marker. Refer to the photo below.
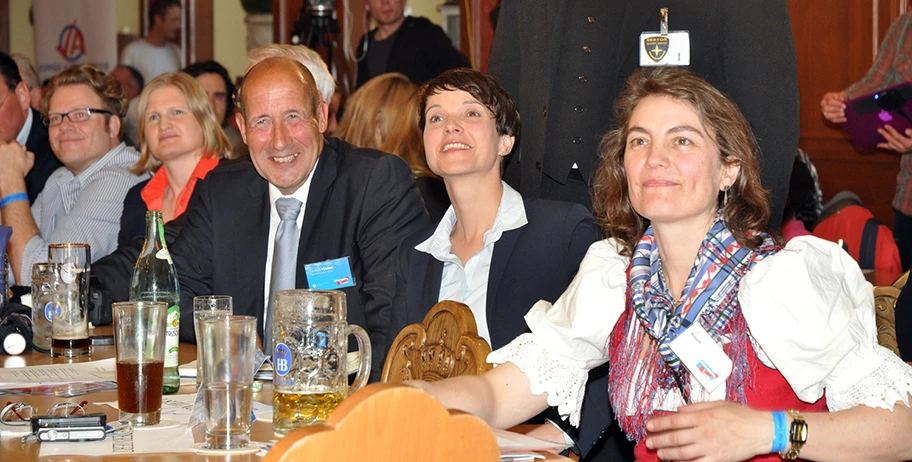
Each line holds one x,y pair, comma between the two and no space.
311,343
228,351
70,267
42,305
205,306
139,338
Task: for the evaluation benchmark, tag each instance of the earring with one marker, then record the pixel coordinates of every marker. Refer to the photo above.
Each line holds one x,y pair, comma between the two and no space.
725,195
503,154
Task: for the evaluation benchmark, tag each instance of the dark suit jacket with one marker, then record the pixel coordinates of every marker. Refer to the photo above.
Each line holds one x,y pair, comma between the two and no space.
133,217
743,47
361,204
421,51
531,263
45,160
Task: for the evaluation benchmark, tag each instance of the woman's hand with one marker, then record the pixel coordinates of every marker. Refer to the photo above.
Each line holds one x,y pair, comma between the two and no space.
714,431
895,141
833,106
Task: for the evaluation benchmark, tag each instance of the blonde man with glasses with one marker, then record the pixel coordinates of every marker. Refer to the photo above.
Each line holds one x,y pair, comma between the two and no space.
83,200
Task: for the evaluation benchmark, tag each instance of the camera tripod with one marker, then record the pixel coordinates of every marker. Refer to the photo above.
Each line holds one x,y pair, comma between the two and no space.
319,30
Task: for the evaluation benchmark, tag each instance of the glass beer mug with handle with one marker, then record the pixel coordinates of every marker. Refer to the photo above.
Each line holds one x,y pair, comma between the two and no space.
311,344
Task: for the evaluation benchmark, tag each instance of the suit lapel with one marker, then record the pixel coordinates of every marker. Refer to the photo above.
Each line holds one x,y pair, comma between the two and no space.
430,272
639,16
320,189
252,231
503,250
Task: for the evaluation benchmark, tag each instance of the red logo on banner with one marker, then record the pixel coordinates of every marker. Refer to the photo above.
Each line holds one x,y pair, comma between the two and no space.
71,44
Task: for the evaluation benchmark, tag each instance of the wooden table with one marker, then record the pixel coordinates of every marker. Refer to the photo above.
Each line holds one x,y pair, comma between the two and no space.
12,449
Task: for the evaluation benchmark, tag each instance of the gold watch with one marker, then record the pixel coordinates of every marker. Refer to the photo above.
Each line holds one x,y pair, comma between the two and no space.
798,435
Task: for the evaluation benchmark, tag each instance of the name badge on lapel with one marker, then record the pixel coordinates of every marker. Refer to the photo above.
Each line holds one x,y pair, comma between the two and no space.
330,274
702,357
664,48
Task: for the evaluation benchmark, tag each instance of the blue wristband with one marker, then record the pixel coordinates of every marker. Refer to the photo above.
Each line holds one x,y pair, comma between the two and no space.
14,197
780,438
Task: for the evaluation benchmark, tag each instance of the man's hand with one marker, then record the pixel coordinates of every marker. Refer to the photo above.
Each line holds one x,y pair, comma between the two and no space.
15,163
833,106
714,431
896,141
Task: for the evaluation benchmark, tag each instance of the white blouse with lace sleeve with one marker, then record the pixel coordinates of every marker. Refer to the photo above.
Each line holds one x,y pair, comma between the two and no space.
570,337
809,310
812,313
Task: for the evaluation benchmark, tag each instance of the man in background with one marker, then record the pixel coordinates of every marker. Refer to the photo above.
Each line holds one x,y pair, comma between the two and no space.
156,53
410,45
21,127
133,84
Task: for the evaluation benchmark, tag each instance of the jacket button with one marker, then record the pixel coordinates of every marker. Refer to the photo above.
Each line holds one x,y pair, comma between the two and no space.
586,49
544,111
577,140
578,109
538,166
582,79
591,19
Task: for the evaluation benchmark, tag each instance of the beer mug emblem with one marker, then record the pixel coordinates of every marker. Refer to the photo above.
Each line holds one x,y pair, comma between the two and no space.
282,359
50,310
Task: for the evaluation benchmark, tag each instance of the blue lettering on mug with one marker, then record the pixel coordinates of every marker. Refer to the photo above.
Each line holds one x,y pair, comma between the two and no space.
282,359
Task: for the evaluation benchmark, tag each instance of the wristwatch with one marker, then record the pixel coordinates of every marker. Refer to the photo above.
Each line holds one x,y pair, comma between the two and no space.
798,435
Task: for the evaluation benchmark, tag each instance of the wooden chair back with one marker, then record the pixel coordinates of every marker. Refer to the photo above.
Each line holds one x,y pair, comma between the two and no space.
445,344
386,422
885,312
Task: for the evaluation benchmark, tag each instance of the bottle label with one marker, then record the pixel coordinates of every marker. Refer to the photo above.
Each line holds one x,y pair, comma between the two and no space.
172,336
163,254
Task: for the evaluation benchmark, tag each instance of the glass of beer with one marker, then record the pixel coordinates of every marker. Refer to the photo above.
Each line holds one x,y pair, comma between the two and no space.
227,346
205,306
311,343
139,339
70,265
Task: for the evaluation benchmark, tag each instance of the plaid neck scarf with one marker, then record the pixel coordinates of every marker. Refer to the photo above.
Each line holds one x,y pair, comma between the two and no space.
642,363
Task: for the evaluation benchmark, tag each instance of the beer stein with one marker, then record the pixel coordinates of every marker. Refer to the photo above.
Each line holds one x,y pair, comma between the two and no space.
311,343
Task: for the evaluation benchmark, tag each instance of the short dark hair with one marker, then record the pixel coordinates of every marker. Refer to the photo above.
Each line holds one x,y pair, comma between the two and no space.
160,8
9,71
483,88
213,67
138,81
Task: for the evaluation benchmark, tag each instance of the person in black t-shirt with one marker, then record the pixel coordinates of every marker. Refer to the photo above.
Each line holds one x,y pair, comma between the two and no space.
410,45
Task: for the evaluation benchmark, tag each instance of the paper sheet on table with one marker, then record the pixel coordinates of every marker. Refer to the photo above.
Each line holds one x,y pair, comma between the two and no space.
90,371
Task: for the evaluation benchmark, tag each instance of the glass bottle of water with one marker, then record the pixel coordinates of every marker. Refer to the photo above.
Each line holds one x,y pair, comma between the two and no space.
155,280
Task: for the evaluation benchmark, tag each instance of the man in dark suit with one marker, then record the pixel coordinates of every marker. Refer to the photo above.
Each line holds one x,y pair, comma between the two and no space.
355,203
22,125
565,62
410,45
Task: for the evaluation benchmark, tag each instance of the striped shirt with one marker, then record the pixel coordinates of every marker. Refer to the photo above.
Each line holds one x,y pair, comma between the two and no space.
82,208
892,66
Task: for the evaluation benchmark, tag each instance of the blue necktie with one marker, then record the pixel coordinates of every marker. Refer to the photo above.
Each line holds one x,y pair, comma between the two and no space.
284,256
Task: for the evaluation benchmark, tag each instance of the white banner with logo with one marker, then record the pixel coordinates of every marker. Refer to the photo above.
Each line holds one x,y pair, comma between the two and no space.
74,32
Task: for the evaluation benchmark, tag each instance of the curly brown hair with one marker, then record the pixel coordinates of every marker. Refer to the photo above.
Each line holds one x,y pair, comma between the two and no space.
747,210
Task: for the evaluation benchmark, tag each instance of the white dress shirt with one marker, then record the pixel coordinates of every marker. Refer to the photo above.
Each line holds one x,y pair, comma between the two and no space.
469,283
274,195
809,310
23,134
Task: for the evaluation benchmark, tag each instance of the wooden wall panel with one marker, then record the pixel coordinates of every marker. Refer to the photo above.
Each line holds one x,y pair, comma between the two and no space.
835,42
4,26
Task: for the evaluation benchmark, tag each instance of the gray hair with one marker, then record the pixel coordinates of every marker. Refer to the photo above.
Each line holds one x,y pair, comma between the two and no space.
26,70
300,53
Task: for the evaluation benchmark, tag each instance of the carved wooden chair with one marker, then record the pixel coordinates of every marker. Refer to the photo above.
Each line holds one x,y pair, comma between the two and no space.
385,422
885,306
445,344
